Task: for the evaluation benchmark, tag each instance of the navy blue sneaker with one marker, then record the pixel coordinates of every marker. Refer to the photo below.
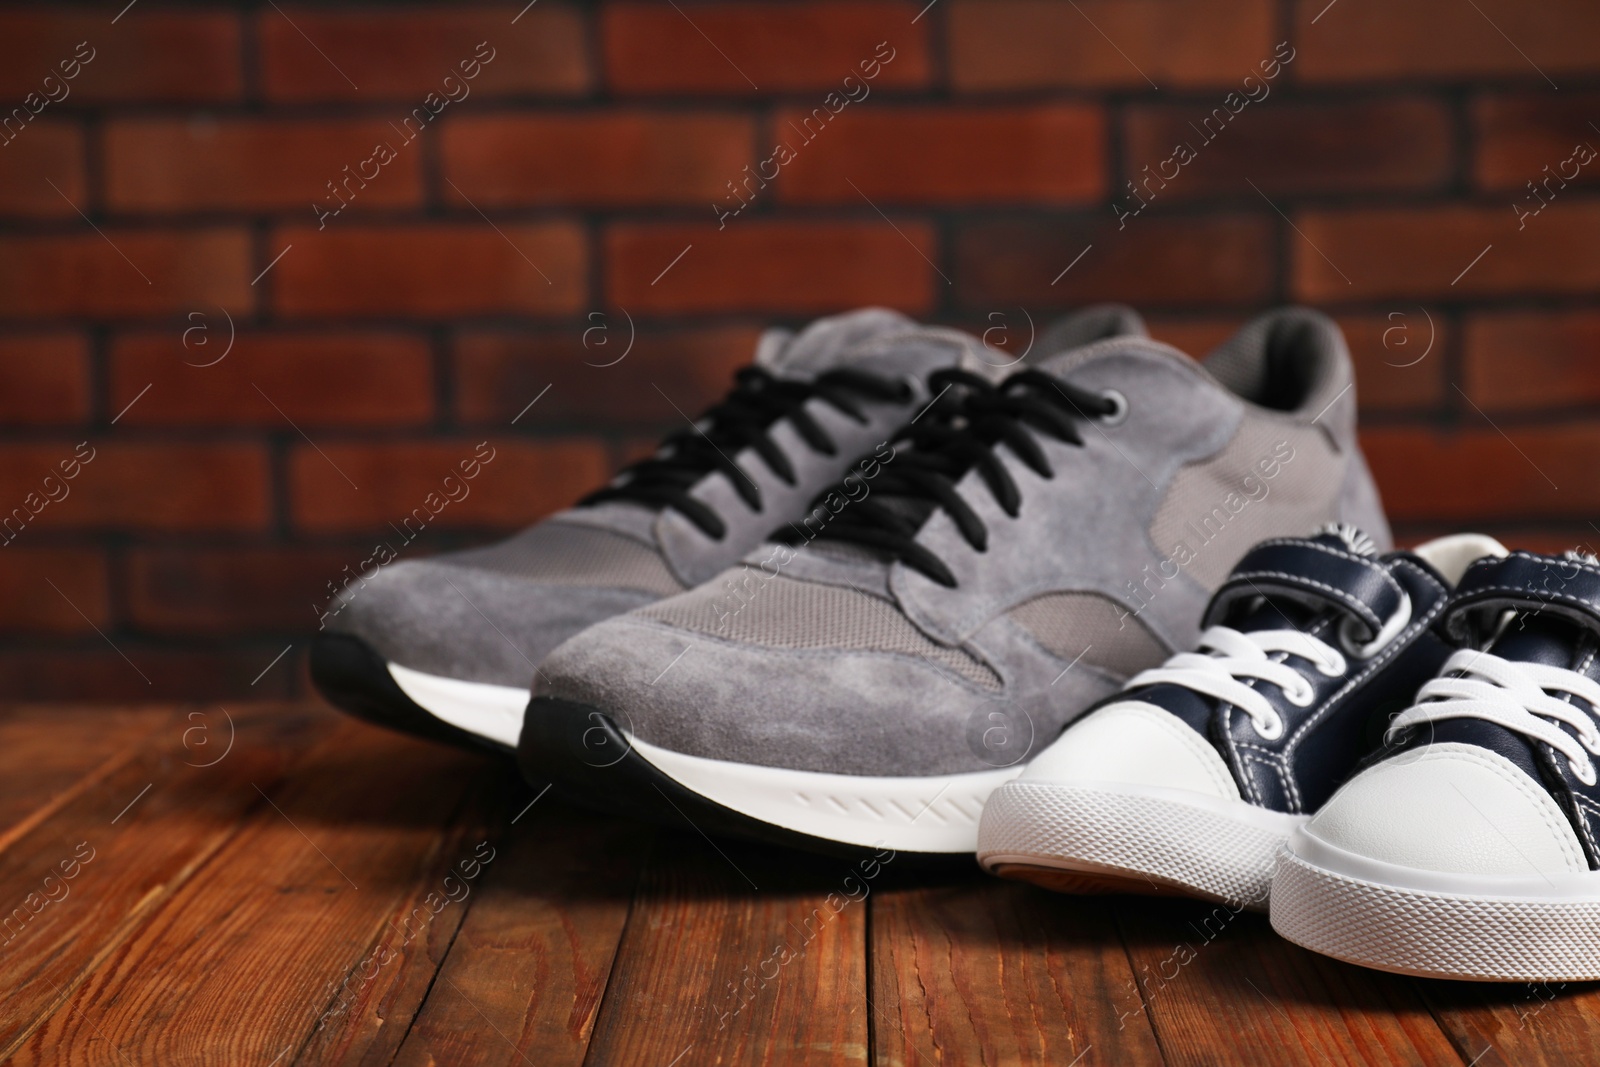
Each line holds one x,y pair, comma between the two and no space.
1190,779
1471,851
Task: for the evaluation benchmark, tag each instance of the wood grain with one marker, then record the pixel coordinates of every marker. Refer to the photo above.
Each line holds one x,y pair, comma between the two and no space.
141,831
525,976
251,951
327,893
739,955
53,753
985,971
1528,1024
1221,987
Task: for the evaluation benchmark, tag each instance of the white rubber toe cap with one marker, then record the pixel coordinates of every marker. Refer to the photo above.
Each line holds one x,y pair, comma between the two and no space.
1135,743
1452,808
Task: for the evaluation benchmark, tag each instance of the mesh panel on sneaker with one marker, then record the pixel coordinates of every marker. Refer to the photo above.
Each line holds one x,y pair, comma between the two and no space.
566,554
785,613
1217,508
1091,626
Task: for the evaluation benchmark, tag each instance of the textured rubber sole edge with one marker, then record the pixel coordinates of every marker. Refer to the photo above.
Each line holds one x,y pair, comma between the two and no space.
1130,839
352,677
1435,935
591,760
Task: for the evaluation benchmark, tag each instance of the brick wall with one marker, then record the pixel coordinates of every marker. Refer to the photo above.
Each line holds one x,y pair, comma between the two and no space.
210,176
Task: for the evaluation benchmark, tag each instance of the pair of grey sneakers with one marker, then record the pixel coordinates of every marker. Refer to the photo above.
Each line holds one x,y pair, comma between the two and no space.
852,600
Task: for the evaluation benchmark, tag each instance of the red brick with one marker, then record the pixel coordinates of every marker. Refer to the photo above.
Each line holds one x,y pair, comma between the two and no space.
1518,136
199,165
29,603
1476,474
615,158
1051,154
1532,360
753,265
1422,252
134,486
1399,358
86,274
1222,258
1039,44
419,271
406,53
1442,39
44,379
93,671
37,156
1287,147
725,47
150,55
522,481
235,590
320,379
499,372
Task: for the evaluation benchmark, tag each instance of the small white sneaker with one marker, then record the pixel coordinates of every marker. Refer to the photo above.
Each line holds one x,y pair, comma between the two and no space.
1471,851
1191,778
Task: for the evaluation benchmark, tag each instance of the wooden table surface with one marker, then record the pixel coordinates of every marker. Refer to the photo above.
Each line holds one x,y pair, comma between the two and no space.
276,885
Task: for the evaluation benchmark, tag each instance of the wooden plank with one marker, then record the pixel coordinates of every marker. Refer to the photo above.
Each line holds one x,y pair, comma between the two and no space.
526,973
242,962
117,849
735,954
987,971
53,753
373,1003
1221,987
1529,1024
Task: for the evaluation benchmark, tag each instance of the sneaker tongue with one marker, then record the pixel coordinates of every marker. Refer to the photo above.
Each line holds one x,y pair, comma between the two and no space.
827,343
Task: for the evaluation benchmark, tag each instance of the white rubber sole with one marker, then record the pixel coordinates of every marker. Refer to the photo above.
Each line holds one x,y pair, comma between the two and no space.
1437,925
1119,837
491,711
938,813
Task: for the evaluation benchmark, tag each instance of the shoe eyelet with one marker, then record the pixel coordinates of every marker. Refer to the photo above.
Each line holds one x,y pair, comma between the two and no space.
1333,670
1271,730
1119,408
1302,696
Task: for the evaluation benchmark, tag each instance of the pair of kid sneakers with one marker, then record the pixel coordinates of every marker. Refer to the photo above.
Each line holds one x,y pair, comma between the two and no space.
1393,753
860,591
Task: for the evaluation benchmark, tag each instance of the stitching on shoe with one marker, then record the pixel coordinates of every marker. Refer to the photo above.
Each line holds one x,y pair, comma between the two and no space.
1533,558
1291,788
1402,641
1366,561
1355,605
1587,810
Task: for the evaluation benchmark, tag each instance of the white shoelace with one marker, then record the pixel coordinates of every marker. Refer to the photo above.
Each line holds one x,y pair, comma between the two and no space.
1517,696
1235,656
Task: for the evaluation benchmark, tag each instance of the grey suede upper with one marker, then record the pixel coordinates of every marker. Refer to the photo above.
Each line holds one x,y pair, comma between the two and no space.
1188,462
457,616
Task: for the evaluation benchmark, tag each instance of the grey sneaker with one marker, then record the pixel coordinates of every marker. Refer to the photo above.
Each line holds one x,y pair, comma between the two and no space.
447,647
1004,564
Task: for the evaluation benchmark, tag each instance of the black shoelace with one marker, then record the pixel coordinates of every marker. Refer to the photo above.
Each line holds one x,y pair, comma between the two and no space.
744,418
961,436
